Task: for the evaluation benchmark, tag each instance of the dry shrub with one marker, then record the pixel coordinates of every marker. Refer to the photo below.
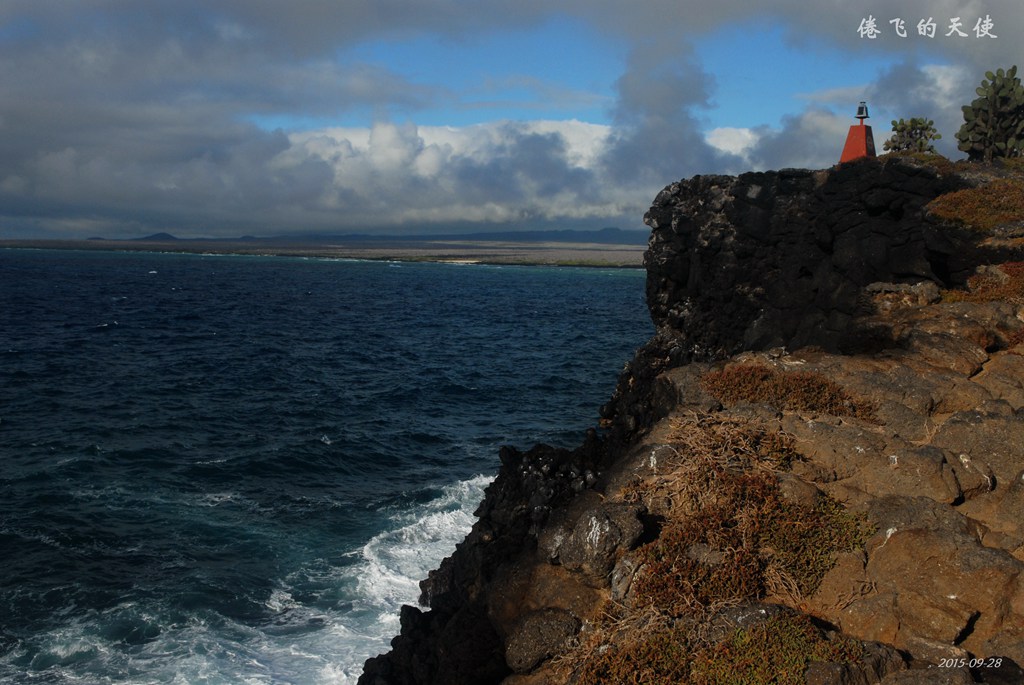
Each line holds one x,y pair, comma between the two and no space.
652,654
728,536
1004,283
702,453
983,208
742,542
716,489
790,390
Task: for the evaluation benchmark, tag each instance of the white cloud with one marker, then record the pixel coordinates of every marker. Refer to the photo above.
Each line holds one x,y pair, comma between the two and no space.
496,172
947,84
735,141
584,142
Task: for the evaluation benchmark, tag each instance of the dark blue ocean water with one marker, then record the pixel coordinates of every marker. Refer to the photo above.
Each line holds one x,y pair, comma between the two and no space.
219,469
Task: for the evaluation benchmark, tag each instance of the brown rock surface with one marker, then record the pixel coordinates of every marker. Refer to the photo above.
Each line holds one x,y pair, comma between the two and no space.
758,503
938,471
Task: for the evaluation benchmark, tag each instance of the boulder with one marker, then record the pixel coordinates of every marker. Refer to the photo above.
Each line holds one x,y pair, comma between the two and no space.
937,590
599,533
539,636
770,259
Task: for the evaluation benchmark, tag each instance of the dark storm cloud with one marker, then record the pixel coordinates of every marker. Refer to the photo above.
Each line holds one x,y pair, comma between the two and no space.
812,139
525,167
665,88
910,90
142,114
657,136
134,112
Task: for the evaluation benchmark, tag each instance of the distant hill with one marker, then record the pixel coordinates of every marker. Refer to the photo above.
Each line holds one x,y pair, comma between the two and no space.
157,238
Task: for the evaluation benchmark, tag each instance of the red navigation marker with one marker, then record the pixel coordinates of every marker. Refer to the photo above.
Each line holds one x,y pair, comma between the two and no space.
859,141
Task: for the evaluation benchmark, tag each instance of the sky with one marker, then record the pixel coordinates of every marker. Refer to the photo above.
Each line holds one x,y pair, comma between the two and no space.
222,118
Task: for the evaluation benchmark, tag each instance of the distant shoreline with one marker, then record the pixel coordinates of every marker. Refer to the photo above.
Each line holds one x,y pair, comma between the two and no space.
549,253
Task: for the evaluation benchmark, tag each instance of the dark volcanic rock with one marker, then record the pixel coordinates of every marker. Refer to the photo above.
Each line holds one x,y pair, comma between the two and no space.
540,635
600,533
460,640
779,258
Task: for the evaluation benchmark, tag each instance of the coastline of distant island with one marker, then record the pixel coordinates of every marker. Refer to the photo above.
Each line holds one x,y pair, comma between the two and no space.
605,248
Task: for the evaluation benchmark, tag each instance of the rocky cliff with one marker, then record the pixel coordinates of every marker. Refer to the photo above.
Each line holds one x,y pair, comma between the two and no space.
813,473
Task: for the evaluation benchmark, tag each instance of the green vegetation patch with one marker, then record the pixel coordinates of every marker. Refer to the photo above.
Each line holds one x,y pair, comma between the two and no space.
803,541
998,203
913,135
776,651
791,390
994,122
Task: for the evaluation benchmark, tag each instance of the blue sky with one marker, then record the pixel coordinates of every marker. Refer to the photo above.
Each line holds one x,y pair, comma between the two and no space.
564,68
230,117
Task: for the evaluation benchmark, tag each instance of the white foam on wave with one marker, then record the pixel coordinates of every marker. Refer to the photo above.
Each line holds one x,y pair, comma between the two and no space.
387,575
79,651
319,642
214,499
281,600
395,561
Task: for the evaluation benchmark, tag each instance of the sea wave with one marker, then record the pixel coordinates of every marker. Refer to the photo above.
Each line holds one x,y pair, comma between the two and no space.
312,630
247,476
385,573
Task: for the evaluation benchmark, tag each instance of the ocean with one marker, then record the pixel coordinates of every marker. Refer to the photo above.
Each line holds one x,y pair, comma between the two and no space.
234,469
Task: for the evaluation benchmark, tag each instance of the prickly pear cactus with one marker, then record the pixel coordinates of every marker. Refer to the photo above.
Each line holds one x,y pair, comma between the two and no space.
913,135
994,122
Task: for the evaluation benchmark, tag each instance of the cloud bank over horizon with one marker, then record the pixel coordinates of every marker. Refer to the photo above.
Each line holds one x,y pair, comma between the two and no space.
252,117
